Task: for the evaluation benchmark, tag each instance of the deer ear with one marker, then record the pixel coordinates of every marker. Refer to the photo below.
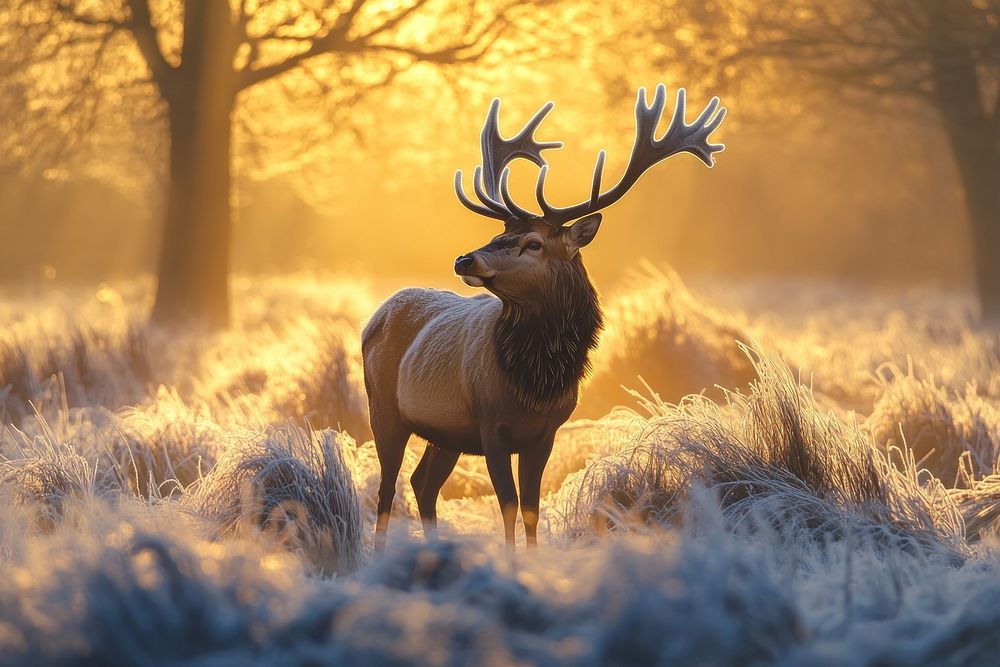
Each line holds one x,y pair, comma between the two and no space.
581,232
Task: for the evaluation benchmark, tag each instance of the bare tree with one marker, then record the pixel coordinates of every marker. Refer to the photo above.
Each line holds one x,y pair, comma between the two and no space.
193,59
905,56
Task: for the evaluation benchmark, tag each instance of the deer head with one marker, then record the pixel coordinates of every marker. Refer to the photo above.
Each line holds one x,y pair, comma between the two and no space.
529,254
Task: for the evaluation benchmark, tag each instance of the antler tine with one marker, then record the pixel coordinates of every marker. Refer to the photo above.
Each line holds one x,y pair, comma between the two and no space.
484,196
491,178
524,142
709,123
490,134
693,138
515,210
468,203
551,213
647,117
646,151
547,210
595,188
498,152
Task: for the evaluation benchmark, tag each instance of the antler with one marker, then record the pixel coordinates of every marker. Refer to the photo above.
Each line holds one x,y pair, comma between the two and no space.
490,178
646,152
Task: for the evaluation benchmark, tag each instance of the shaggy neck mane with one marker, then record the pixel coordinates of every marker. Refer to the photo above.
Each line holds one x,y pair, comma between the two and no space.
543,344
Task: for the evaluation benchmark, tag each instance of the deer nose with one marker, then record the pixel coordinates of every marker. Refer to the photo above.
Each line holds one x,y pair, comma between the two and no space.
463,263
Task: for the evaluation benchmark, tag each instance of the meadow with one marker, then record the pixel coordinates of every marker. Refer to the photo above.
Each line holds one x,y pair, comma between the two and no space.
757,473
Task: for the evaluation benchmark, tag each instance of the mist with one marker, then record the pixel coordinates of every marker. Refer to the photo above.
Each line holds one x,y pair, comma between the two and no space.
253,410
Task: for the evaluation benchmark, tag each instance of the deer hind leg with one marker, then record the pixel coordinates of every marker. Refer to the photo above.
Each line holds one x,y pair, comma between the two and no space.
419,476
390,444
437,465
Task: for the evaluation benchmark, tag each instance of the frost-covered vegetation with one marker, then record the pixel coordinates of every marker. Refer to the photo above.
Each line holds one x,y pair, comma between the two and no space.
827,495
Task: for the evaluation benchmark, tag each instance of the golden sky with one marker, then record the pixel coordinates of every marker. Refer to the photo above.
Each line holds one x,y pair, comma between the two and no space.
378,167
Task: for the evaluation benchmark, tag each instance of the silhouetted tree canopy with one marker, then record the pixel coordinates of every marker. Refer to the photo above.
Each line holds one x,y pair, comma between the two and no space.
903,57
189,65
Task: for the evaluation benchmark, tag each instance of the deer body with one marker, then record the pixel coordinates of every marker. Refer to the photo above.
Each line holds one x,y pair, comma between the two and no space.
439,350
498,375
476,376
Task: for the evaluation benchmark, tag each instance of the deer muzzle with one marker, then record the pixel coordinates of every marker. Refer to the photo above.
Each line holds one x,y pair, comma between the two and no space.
472,270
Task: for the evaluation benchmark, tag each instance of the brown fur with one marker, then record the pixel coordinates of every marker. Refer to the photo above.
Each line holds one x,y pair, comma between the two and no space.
543,346
484,375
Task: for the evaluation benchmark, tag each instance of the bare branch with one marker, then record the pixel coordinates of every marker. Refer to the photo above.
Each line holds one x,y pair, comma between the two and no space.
338,40
327,39
329,43
69,12
468,51
346,20
87,113
391,23
141,27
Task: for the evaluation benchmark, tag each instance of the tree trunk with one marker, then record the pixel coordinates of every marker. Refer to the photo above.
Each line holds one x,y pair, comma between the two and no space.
979,165
193,277
192,284
973,138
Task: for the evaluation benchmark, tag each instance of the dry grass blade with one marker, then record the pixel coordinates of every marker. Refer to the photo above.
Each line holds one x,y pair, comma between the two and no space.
293,484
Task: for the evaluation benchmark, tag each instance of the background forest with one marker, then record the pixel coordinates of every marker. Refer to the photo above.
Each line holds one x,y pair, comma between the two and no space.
786,453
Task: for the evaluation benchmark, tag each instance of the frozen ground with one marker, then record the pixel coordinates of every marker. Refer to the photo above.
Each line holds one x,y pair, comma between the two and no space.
165,500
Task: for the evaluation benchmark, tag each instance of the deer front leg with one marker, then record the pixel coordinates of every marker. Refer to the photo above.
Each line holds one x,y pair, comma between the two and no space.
498,465
530,466
390,443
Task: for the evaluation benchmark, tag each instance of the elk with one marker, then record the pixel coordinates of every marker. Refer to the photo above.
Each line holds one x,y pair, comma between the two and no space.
497,374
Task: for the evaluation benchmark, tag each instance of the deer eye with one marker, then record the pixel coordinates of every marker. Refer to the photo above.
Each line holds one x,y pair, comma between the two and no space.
533,245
